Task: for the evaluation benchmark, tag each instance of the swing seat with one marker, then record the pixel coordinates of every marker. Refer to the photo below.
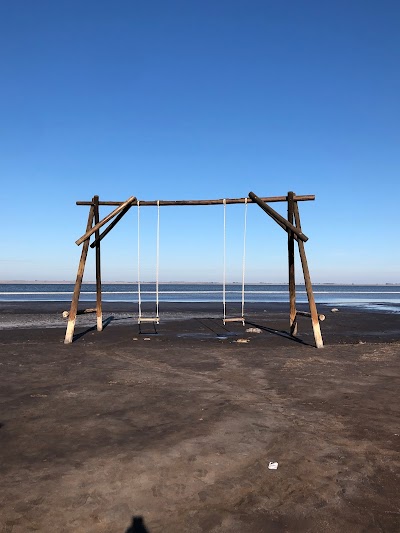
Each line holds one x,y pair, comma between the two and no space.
234,319
141,319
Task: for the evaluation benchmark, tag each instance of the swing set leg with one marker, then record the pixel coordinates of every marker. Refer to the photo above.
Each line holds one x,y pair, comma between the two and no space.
69,334
292,280
307,280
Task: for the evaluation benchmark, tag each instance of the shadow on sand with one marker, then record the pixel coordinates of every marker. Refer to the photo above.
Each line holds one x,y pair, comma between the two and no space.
214,325
106,322
137,526
280,333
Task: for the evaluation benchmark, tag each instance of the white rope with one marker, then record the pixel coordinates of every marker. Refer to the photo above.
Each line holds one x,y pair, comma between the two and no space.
224,271
138,267
158,257
243,263
157,266
244,255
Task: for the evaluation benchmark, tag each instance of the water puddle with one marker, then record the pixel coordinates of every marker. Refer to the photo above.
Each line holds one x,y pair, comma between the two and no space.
376,306
207,335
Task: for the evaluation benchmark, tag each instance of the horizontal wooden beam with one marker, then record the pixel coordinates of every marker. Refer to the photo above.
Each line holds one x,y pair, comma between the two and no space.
305,313
285,224
204,202
87,235
65,314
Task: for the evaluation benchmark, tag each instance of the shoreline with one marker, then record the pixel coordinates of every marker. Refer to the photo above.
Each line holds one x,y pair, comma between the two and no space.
51,306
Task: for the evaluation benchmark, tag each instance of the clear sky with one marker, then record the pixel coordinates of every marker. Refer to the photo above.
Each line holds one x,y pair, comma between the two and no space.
200,99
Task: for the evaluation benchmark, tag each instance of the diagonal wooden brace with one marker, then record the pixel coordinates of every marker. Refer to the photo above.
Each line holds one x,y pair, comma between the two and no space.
110,226
285,224
120,208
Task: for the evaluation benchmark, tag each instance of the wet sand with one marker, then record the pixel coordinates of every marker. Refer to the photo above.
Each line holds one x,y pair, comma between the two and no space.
176,425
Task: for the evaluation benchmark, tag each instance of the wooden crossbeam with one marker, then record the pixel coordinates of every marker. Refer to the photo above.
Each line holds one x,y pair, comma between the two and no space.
321,318
270,199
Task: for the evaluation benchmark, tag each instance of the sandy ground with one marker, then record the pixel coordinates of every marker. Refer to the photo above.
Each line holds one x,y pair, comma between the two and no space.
172,429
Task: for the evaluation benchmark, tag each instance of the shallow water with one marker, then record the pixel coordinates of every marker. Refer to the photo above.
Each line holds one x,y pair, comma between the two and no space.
375,297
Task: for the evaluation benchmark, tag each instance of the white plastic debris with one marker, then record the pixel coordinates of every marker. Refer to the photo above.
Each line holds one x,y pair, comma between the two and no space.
334,310
273,466
253,330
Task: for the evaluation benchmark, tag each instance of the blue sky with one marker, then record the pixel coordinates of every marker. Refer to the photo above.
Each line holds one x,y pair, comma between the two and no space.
210,99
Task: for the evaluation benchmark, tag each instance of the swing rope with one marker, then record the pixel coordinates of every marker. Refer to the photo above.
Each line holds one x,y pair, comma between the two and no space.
138,266
224,269
225,319
140,317
244,255
157,259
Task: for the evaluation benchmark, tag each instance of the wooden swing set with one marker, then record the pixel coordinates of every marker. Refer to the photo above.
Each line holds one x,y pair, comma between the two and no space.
291,225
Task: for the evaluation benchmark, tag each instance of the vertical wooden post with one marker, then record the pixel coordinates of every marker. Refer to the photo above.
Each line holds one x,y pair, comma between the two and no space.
69,334
99,312
307,280
292,280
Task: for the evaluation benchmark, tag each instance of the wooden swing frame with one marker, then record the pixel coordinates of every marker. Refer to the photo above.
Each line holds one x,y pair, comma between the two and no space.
291,225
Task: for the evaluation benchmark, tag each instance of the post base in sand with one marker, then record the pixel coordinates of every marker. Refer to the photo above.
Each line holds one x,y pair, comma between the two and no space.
69,334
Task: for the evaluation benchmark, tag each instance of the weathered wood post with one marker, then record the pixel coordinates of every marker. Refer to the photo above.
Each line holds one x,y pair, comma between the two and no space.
292,280
307,280
69,334
99,313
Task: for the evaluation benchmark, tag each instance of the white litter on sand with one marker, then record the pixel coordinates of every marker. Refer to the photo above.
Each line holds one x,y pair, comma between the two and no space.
253,330
273,466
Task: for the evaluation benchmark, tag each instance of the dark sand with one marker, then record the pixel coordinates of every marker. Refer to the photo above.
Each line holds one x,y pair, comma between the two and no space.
177,425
